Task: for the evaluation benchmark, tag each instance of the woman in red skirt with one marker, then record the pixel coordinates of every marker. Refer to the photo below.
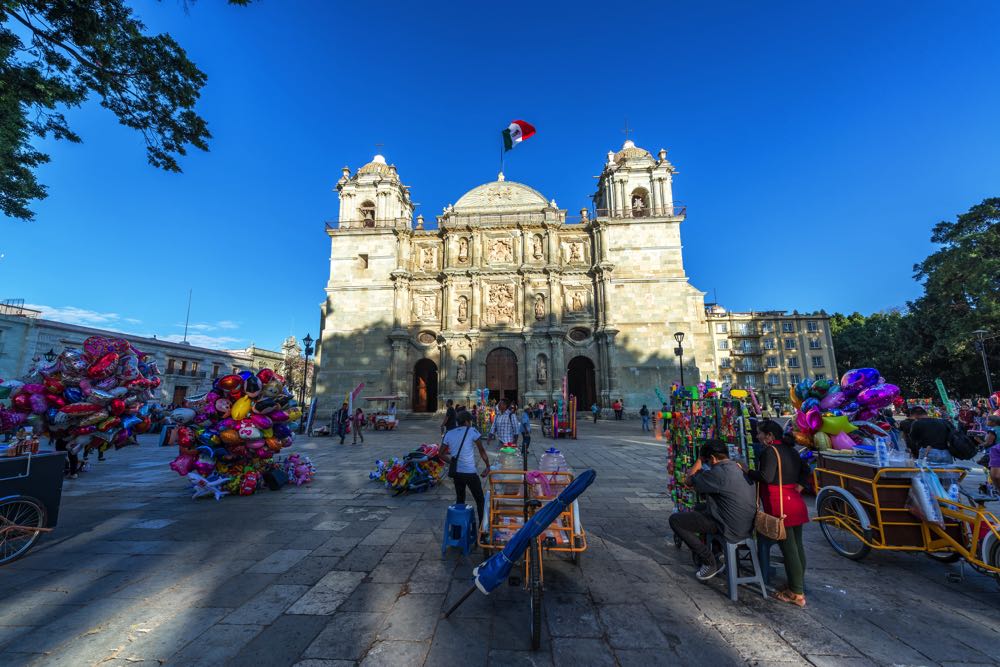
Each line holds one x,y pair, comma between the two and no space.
780,489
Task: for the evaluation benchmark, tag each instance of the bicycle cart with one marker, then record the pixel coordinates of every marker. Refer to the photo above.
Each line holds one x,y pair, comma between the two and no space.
30,492
512,497
862,506
380,419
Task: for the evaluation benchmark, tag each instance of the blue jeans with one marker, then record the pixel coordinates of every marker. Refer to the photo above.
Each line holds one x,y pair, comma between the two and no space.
645,422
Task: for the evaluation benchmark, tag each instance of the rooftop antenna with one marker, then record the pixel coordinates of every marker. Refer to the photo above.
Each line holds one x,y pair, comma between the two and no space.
715,291
187,318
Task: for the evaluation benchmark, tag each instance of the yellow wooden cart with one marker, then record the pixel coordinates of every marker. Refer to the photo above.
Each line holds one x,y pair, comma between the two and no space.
862,506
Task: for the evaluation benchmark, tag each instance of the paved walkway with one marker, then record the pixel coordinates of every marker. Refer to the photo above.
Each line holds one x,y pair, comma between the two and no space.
341,573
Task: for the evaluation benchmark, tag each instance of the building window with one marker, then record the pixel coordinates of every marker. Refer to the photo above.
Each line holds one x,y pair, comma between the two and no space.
723,344
363,257
788,327
795,378
820,376
747,329
772,362
768,343
793,362
236,370
216,369
814,344
726,362
727,378
817,362
750,381
789,343
772,379
812,326
746,346
184,367
170,366
721,327
767,327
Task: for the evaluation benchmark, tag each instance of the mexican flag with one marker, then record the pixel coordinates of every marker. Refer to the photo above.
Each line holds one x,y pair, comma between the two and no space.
517,132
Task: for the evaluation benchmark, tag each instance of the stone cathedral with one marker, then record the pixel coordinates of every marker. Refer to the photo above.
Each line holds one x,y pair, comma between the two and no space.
509,293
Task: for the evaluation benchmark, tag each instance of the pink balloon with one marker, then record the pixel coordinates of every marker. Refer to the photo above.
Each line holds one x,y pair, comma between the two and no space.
183,464
841,441
879,396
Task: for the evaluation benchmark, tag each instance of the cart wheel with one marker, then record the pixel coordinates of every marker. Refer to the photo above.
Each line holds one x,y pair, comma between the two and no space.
535,582
577,555
943,556
845,541
19,516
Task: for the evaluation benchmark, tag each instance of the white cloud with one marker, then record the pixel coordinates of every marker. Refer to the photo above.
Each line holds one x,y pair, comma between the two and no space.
74,315
227,324
210,326
132,320
202,340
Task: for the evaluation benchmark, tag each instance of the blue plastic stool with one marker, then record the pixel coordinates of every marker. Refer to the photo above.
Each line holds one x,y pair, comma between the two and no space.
459,528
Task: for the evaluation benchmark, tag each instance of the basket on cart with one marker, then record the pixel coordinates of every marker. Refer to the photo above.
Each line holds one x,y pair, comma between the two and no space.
30,493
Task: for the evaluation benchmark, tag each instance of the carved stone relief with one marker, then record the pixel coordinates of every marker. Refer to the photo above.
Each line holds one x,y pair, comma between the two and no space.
500,304
425,307
499,194
427,259
501,250
575,252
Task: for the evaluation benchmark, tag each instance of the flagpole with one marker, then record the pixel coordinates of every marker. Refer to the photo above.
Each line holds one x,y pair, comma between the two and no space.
501,152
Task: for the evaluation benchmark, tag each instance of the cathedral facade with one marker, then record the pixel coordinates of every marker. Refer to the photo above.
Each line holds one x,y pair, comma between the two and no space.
509,293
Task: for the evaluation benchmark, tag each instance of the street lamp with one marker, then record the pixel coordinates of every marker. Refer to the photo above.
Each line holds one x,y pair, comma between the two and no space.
307,342
50,356
981,336
679,351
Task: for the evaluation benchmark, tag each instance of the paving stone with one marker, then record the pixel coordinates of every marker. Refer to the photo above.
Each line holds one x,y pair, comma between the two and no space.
282,642
394,568
347,636
395,653
363,558
155,524
216,645
312,662
372,597
412,617
280,561
309,570
327,594
331,525
266,605
571,615
576,651
631,626
382,537
460,641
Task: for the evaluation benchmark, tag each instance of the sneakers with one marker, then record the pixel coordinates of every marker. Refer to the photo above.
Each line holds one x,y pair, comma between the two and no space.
707,571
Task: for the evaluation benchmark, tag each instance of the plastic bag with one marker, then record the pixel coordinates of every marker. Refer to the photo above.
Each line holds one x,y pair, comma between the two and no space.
922,501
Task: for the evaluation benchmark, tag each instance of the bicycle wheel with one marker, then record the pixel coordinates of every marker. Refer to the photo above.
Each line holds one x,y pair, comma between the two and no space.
20,517
843,529
535,583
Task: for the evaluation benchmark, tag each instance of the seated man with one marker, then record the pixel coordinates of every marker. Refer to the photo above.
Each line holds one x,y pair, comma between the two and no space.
729,508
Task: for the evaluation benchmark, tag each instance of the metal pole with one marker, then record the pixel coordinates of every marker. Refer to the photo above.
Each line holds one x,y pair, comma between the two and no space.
681,355
986,364
302,394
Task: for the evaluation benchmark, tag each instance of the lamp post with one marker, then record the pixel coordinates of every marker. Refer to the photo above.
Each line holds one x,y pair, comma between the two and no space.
679,351
981,337
50,356
307,342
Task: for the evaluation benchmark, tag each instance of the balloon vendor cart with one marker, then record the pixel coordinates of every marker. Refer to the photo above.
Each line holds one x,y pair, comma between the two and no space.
30,494
863,506
564,420
380,418
693,421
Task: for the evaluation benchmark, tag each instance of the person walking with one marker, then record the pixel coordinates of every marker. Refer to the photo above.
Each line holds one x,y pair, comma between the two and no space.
525,429
72,460
619,408
781,477
505,425
450,420
596,410
340,420
458,443
359,423
644,414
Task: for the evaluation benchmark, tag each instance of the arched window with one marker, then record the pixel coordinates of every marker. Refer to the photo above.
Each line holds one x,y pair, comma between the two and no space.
367,212
640,203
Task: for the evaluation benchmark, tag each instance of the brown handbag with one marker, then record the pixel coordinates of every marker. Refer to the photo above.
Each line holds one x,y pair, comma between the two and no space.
772,527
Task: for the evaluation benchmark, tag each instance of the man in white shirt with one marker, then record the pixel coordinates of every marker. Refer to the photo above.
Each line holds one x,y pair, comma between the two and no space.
459,443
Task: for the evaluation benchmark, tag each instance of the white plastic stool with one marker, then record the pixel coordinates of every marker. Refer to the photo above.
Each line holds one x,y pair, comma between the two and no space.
733,560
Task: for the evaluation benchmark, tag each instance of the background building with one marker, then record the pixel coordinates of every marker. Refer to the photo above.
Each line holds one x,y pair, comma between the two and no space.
185,370
769,351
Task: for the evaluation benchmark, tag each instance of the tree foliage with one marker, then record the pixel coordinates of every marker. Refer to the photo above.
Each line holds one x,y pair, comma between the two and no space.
55,54
961,281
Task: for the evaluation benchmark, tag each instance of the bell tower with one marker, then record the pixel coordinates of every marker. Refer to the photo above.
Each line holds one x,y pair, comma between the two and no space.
635,185
374,197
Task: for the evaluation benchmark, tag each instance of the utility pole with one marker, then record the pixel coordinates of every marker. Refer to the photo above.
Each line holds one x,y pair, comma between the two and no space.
981,339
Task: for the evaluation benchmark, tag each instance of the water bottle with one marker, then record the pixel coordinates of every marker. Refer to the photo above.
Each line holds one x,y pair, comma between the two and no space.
953,491
553,461
881,452
510,459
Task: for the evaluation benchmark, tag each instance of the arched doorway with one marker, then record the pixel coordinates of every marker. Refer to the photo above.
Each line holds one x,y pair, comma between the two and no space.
581,383
425,386
501,374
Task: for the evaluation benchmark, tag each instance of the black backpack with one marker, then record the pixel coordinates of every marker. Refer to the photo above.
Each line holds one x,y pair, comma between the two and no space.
961,446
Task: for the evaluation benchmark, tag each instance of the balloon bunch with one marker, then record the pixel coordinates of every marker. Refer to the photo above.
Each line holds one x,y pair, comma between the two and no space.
832,415
299,469
95,397
418,471
232,432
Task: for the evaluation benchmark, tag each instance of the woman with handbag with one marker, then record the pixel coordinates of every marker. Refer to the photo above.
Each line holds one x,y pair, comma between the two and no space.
781,478
462,463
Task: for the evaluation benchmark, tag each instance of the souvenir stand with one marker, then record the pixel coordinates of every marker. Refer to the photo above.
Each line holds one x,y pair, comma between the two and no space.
562,422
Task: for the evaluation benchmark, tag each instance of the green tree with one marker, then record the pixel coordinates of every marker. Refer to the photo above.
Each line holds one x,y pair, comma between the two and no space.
883,341
55,54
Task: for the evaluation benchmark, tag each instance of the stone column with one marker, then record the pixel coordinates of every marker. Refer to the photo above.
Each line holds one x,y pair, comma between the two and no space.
612,195
654,196
475,305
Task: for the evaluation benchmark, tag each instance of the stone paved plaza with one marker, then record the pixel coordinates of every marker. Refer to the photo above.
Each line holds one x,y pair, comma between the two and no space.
341,573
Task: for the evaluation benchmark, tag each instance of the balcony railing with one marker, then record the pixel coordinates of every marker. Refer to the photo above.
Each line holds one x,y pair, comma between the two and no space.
744,333
749,369
744,351
186,373
675,210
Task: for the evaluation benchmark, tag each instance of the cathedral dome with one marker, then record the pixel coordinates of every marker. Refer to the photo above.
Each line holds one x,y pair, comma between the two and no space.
630,151
376,166
501,195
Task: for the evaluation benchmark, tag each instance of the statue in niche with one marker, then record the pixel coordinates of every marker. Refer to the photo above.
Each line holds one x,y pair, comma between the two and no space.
460,371
576,302
463,250
638,205
539,307
427,258
463,309
576,252
501,251
536,247
542,370
426,307
501,304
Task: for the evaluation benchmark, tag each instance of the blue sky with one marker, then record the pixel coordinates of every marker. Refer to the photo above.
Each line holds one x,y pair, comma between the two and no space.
817,144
